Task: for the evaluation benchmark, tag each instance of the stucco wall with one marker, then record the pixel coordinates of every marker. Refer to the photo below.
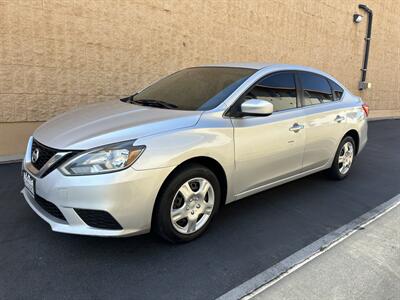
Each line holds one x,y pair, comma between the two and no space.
56,55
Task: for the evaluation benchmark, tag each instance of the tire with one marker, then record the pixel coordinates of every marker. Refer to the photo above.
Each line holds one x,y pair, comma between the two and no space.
183,196
342,163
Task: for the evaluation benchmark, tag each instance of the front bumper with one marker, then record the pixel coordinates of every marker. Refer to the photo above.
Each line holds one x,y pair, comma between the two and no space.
128,196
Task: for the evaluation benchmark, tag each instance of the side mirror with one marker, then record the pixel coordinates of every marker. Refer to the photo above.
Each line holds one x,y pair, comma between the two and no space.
257,107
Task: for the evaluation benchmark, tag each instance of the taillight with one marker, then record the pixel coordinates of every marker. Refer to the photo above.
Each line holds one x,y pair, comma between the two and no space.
366,109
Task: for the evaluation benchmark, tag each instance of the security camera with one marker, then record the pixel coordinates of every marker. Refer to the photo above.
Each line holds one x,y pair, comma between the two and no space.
357,18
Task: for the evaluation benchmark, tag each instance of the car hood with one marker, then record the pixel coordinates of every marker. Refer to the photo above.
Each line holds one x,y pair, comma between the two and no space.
110,122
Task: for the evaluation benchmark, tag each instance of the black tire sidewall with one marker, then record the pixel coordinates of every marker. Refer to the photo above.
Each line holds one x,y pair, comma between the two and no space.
163,222
334,170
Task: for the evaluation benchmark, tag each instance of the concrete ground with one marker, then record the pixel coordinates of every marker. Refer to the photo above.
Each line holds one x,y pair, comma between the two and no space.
365,266
247,237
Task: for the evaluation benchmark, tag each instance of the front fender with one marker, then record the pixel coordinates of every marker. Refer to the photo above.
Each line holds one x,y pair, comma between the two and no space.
212,137
173,148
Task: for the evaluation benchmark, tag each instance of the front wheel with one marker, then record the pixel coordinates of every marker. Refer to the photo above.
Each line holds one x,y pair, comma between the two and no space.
343,160
187,204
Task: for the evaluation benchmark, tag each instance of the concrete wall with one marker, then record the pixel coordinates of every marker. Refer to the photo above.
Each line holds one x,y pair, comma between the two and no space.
56,55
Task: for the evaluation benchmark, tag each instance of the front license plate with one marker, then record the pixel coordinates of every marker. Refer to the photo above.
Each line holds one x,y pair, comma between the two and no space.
29,182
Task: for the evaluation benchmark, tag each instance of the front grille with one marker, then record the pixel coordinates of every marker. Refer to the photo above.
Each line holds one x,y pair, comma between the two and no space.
98,219
49,207
45,153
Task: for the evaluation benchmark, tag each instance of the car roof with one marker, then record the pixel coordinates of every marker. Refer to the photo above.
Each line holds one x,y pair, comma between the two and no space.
262,65
248,65
276,66
282,67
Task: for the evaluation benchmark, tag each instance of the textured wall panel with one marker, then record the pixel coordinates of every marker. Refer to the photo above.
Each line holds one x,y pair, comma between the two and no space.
56,55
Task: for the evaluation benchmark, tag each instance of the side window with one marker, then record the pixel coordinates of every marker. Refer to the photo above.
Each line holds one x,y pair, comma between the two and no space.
316,89
337,90
279,89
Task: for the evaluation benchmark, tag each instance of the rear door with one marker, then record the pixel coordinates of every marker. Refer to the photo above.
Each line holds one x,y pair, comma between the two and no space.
324,120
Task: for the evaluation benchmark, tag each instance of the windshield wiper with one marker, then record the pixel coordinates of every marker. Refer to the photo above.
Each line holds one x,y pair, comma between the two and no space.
155,103
129,98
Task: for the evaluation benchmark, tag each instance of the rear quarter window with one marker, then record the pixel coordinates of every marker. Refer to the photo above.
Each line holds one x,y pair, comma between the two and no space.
337,90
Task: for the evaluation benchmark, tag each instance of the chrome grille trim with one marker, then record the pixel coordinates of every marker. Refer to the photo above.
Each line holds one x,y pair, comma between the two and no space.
31,168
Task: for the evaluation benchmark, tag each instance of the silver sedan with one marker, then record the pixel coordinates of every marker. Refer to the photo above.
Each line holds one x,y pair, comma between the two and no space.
167,157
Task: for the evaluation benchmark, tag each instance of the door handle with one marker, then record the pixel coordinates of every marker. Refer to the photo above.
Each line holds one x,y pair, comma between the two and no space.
339,118
296,127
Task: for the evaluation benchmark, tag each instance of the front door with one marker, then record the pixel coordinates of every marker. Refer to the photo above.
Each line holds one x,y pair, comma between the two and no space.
269,148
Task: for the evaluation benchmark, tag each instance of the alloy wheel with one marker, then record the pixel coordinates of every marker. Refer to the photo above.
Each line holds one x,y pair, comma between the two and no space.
346,157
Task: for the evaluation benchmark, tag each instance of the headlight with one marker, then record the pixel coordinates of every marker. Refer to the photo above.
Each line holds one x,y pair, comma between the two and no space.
109,158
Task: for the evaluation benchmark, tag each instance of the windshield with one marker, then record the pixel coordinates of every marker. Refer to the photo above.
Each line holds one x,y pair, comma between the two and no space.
201,88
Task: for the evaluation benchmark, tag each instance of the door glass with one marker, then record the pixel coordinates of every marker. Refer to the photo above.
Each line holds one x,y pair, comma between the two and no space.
279,89
316,89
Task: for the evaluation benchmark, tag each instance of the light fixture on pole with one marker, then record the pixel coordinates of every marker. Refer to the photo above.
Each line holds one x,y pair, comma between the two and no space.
357,18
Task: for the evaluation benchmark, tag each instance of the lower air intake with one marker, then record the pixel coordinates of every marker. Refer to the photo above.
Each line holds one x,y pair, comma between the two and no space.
98,219
50,208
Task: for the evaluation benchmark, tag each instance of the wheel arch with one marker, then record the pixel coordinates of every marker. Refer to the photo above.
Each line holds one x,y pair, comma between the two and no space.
205,161
356,137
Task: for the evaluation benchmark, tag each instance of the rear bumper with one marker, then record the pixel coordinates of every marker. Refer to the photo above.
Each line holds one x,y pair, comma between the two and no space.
127,196
363,132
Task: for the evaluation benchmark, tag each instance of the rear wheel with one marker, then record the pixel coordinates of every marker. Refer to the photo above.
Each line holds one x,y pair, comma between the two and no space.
187,204
343,160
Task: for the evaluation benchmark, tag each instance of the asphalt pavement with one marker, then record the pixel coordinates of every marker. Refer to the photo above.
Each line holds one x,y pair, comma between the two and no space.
246,238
